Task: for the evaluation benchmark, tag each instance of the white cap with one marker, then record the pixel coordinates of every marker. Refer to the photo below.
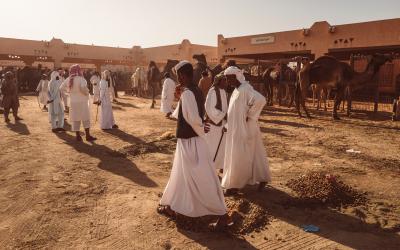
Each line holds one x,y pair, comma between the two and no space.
181,64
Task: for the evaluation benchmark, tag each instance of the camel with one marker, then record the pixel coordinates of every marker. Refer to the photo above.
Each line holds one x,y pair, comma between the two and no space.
283,82
269,80
199,67
168,68
320,94
328,72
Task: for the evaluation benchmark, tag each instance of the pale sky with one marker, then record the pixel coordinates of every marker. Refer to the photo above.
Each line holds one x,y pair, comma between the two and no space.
149,23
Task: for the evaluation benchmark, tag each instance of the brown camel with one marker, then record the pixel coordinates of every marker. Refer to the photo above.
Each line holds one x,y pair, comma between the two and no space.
282,78
328,72
199,67
168,68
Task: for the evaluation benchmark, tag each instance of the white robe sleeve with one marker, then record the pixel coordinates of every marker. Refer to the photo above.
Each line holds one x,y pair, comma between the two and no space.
214,114
39,86
256,103
64,86
83,86
175,114
51,93
191,112
103,89
171,90
164,92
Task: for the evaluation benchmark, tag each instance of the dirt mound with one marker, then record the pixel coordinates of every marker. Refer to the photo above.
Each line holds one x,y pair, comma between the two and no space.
248,217
164,144
325,188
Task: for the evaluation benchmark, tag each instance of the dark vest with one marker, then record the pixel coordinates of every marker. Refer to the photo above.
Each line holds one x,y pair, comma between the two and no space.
183,129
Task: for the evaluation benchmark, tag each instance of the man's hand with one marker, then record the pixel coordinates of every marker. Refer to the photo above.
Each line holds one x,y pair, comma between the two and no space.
206,127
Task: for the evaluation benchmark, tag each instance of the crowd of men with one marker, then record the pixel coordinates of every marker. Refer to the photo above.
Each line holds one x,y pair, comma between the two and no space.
217,129
63,92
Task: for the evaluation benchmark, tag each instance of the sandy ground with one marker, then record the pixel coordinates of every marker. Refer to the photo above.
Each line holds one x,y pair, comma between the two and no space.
56,193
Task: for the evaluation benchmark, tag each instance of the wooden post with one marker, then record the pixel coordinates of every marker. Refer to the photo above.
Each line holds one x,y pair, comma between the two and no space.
376,99
348,89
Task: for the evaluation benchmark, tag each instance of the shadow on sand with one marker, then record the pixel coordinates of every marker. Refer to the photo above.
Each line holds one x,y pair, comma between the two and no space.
274,131
288,123
283,206
212,241
124,136
110,160
19,128
125,105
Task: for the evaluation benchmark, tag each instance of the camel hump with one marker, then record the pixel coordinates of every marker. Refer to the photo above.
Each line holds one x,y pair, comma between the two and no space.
325,62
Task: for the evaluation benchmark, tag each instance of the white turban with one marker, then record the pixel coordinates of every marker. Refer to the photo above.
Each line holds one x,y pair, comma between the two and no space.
233,70
181,64
106,73
54,75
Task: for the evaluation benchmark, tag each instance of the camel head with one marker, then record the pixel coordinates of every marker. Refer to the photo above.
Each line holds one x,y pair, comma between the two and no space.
200,58
377,60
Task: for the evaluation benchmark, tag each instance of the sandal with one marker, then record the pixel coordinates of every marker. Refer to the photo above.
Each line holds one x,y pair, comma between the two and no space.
90,138
221,226
166,210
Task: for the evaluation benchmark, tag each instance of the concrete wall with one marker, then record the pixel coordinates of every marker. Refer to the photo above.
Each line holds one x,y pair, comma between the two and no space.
182,51
63,54
319,39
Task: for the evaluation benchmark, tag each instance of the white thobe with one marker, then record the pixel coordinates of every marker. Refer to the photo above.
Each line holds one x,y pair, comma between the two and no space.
215,135
64,94
79,100
193,188
56,108
107,116
167,96
144,82
95,81
245,156
43,88
135,79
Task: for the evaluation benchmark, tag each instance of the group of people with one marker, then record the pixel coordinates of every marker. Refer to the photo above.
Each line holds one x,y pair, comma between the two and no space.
213,133
72,94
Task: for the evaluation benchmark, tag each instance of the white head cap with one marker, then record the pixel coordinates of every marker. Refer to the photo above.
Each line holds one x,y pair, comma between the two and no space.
181,64
233,70
54,75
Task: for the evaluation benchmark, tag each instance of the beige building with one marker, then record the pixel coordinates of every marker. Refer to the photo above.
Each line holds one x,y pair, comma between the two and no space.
56,53
321,39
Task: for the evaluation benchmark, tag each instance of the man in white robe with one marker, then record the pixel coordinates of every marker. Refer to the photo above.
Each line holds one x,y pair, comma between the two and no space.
245,157
56,107
64,94
167,95
107,117
111,89
216,108
79,112
95,81
193,188
135,82
143,82
42,89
